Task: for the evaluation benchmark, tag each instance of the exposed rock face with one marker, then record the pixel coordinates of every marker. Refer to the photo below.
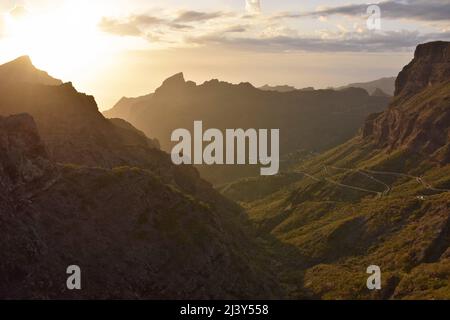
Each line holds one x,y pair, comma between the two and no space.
383,199
419,117
430,66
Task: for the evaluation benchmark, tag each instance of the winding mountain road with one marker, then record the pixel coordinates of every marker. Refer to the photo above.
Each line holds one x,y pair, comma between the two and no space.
369,174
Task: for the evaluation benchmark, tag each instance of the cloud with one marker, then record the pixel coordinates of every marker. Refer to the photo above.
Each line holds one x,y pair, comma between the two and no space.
391,41
195,16
119,28
180,26
137,25
423,10
236,29
266,33
145,20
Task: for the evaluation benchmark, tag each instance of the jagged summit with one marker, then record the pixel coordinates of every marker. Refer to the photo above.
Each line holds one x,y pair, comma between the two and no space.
23,70
178,77
175,83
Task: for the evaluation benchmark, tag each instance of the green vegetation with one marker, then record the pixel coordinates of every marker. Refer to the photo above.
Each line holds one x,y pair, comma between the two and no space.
363,203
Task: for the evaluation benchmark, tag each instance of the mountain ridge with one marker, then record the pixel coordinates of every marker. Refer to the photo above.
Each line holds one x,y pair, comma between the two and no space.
81,189
381,198
23,70
178,103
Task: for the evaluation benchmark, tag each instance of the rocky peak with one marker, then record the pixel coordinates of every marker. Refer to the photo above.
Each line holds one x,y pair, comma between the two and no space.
175,80
175,84
418,119
23,70
430,66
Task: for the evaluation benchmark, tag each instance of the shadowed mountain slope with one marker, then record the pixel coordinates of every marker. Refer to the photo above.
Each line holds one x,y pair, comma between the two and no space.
310,120
98,194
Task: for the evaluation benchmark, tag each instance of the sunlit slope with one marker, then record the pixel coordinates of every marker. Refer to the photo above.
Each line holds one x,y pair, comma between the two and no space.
382,198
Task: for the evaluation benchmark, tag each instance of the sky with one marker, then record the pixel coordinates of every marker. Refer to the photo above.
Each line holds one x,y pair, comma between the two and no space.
116,48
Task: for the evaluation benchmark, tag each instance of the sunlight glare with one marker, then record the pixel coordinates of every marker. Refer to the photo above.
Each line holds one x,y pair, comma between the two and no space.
63,41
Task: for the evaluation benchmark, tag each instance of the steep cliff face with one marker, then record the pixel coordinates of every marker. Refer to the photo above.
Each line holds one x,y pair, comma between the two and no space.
430,66
418,120
382,198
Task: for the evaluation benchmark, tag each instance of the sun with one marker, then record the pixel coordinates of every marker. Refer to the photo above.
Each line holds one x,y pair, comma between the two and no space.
63,40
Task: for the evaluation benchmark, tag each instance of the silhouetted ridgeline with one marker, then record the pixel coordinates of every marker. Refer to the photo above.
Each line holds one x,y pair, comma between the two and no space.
78,189
312,120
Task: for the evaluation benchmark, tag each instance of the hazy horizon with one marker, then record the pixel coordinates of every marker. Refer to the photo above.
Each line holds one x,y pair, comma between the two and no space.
112,49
